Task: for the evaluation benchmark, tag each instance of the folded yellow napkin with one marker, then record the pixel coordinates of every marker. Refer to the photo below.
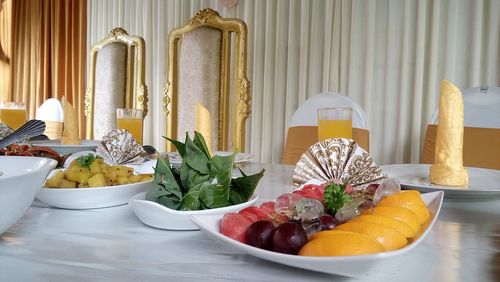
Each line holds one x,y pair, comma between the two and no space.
448,168
202,124
70,134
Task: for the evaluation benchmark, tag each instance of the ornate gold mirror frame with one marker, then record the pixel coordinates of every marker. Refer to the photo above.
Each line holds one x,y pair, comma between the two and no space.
242,97
134,98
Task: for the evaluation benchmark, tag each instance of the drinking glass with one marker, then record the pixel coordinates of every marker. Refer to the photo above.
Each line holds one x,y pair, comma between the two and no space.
334,123
131,120
13,114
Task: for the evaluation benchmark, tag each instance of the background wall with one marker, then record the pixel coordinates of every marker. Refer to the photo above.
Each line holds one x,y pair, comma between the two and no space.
390,56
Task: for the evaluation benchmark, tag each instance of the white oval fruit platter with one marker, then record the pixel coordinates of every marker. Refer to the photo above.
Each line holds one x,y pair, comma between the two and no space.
340,265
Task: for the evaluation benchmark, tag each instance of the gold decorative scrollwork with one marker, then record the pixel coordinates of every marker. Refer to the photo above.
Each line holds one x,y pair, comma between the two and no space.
116,32
166,99
87,101
245,97
202,16
142,98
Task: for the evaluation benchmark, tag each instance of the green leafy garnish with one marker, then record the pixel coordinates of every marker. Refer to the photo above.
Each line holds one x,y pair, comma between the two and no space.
87,160
335,197
202,181
167,191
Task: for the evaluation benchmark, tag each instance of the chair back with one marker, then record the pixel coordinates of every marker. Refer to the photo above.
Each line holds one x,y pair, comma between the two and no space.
202,67
116,80
481,107
481,147
303,128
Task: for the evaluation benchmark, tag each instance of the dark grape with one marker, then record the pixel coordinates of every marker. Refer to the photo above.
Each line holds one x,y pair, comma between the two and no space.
328,222
288,238
260,234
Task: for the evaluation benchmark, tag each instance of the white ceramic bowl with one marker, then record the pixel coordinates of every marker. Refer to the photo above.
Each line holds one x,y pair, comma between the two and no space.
90,198
20,180
158,216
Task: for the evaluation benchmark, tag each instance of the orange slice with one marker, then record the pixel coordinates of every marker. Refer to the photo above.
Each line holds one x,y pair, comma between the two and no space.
401,227
398,213
409,199
385,235
340,243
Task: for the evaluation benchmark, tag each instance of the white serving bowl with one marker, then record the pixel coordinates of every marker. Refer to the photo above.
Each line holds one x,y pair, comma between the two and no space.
20,180
90,198
158,216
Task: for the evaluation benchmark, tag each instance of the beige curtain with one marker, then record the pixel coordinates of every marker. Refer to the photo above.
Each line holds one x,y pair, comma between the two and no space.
49,50
5,47
389,55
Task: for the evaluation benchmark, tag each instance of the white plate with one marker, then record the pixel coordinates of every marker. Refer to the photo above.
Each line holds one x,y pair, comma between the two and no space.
159,216
90,198
483,183
85,145
175,158
342,265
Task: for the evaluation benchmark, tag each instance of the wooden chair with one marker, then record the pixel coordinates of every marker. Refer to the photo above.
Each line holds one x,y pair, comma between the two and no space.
116,80
202,67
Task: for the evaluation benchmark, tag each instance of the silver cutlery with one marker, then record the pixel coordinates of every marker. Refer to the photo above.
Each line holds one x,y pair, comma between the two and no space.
29,129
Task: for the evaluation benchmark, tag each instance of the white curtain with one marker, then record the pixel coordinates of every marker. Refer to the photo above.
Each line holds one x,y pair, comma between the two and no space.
389,55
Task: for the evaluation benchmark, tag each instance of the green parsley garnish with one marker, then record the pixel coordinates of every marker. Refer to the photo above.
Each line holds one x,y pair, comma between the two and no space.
335,197
86,161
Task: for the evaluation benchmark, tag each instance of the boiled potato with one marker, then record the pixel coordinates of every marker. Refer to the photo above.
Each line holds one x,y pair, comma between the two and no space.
95,167
97,180
134,178
122,180
67,184
119,171
55,180
80,177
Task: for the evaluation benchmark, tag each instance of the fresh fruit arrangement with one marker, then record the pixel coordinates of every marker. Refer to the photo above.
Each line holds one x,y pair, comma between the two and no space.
332,220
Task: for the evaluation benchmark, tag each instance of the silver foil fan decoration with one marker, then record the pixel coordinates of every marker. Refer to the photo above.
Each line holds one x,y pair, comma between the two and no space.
338,159
5,130
119,147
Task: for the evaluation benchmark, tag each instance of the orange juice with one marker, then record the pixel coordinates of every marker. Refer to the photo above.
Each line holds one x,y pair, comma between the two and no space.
14,118
334,129
133,125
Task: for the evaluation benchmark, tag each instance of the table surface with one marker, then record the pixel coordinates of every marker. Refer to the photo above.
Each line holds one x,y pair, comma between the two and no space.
111,244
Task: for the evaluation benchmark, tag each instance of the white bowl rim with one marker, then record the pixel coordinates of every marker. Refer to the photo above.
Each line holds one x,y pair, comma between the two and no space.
52,163
137,197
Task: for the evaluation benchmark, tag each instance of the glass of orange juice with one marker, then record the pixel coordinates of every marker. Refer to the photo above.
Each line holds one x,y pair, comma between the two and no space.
131,120
334,123
13,114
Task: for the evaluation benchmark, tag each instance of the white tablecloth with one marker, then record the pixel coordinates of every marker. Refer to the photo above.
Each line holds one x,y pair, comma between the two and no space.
111,244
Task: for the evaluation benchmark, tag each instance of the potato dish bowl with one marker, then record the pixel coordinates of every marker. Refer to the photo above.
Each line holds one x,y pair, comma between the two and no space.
93,172
89,183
